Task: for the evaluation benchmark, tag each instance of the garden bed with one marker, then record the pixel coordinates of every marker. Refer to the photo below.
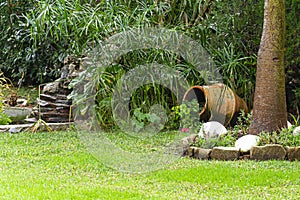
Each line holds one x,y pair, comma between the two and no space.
259,153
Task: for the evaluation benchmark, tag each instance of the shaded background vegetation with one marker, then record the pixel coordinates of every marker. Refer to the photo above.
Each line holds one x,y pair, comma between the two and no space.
36,36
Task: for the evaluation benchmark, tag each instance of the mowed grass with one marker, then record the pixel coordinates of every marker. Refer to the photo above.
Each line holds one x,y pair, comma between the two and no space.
56,165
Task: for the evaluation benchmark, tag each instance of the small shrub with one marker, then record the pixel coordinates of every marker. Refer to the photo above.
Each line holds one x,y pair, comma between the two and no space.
188,112
206,143
226,140
284,138
140,120
243,123
4,119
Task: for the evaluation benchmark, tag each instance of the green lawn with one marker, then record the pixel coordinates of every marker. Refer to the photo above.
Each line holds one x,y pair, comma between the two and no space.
57,166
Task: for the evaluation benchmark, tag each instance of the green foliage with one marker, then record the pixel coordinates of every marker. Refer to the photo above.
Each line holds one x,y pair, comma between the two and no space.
235,65
228,139
294,100
140,119
285,137
20,59
141,99
296,120
238,23
38,35
292,58
188,113
4,119
206,143
243,122
225,140
235,29
238,70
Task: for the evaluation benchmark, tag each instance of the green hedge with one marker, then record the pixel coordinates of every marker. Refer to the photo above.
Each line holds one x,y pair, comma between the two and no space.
36,36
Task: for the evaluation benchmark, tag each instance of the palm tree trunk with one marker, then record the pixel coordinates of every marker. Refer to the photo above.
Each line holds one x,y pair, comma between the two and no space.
269,109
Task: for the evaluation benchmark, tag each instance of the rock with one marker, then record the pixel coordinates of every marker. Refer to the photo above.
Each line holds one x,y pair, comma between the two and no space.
200,153
185,146
225,153
61,96
268,152
14,130
289,125
187,141
65,101
52,105
246,142
26,127
22,102
52,88
212,129
31,120
17,114
47,97
62,110
293,153
296,131
190,152
12,127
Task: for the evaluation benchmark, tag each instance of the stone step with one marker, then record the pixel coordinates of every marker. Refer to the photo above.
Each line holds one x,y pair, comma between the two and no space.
58,119
52,105
54,114
48,97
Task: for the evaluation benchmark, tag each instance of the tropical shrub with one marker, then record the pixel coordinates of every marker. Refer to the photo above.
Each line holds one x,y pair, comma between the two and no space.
238,71
188,115
243,123
226,140
21,59
38,35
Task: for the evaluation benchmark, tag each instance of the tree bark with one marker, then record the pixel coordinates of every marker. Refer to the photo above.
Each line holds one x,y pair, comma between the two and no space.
269,109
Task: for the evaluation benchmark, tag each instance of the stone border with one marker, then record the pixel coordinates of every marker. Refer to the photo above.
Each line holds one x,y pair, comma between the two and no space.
259,153
26,127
